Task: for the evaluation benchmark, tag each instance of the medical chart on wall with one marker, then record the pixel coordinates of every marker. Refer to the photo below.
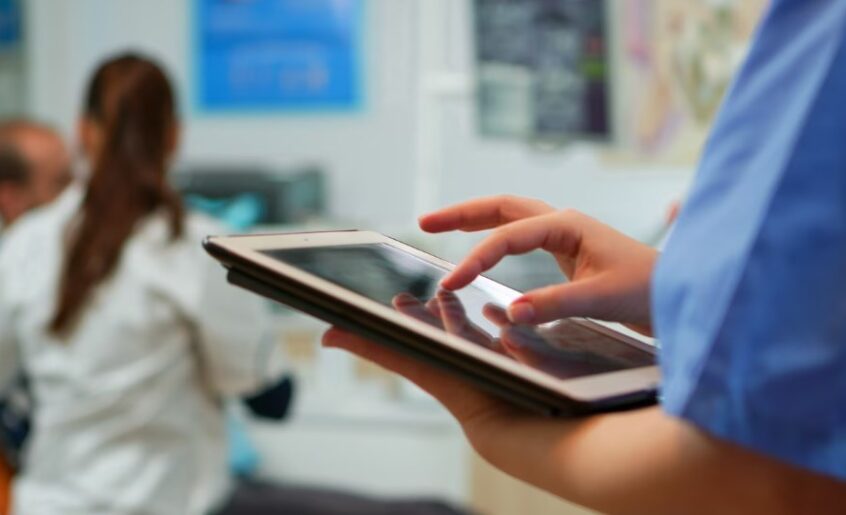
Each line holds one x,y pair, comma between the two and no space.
278,55
645,76
677,60
542,69
12,59
10,24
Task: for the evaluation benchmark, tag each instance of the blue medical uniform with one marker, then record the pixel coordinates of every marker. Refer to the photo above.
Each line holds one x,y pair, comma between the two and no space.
750,293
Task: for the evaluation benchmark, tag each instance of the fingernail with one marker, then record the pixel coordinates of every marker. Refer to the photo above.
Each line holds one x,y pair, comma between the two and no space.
445,282
521,312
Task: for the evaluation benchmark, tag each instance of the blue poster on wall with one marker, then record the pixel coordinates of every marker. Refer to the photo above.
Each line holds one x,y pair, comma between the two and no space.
278,55
10,23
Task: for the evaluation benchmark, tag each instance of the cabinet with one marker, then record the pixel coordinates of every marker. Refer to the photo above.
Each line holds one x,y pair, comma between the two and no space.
357,428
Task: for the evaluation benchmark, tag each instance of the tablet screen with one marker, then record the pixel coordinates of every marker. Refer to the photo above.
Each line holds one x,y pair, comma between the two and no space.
409,284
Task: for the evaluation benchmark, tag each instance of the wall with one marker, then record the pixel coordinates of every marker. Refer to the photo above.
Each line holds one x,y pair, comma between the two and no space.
629,196
12,92
413,148
367,153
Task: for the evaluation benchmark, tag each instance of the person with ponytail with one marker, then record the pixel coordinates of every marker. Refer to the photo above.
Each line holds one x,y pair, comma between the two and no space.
129,336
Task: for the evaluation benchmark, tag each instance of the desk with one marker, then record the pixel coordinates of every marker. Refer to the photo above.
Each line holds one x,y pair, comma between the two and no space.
383,451
357,428
354,426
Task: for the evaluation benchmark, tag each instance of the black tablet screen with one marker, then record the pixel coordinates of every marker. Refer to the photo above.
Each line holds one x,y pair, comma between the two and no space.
565,349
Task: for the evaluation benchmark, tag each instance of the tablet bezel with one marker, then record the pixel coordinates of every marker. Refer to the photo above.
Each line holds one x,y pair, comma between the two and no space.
584,389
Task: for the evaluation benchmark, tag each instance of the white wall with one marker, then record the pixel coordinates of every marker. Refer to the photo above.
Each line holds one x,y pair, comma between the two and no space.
368,154
633,198
414,147
12,92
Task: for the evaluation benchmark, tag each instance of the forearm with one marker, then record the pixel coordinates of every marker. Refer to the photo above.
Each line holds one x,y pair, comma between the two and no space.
648,462
635,462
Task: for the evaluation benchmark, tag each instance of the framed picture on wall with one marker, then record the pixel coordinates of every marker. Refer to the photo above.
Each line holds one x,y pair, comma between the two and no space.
543,69
278,55
10,24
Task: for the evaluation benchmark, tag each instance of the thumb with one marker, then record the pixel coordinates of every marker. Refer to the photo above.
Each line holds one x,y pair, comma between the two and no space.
581,298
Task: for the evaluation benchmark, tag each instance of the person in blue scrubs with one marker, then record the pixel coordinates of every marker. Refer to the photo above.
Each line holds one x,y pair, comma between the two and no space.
748,299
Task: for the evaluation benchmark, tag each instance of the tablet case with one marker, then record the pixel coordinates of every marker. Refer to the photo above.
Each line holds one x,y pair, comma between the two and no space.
512,390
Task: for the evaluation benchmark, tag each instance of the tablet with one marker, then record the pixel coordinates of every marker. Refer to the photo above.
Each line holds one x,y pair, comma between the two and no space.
387,291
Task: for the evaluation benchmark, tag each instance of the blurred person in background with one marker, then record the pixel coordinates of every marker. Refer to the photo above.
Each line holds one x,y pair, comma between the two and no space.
34,170
129,336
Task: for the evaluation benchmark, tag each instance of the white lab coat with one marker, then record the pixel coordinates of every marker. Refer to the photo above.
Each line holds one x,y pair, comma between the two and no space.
128,416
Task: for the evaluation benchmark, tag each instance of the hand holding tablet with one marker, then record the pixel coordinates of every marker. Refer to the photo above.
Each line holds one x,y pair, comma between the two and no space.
389,292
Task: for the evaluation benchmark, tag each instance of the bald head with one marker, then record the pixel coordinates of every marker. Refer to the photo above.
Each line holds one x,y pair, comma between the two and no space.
34,167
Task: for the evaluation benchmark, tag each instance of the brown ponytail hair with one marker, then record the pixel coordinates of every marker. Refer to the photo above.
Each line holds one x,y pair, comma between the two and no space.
131,101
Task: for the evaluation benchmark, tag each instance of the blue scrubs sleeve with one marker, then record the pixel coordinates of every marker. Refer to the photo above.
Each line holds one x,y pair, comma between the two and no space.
749,295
